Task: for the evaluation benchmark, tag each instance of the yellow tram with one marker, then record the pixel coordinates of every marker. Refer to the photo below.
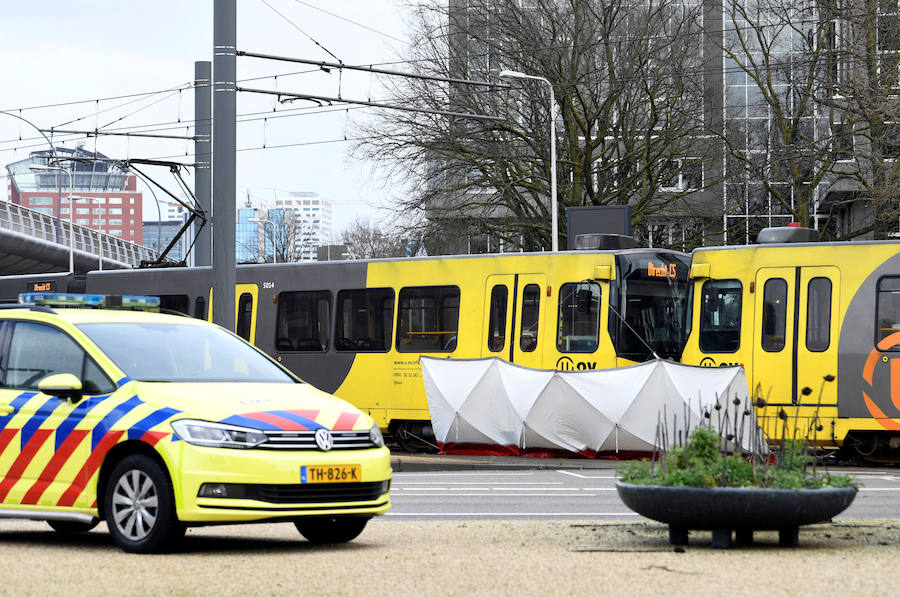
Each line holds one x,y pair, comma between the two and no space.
817,328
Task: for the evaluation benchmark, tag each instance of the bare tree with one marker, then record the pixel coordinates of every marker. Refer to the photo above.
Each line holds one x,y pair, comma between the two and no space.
627,87
365,240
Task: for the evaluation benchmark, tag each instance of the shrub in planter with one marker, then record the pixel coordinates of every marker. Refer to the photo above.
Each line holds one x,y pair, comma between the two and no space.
707,483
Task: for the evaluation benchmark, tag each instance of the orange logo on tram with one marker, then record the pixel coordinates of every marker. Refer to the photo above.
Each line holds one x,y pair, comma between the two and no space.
868,374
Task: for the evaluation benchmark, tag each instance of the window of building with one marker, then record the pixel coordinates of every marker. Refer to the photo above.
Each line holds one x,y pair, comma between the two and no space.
98,222
531,306
64,211
82,221
303,321
115,222
365,320
114,200
115,210
578,324
818,315
83,210
131,200
774,315
41,201
47,211
428,319
497,319
720,316
114,232
131,211
888,311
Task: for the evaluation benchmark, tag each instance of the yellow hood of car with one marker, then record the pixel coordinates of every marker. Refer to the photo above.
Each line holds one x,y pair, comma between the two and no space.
265,406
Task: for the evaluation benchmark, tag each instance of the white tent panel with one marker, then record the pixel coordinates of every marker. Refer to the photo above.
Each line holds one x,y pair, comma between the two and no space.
490,401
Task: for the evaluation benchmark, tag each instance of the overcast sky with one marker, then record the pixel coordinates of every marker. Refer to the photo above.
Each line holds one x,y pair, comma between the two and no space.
60,51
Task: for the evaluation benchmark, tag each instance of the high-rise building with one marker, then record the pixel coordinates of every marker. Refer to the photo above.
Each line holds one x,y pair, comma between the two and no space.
311,222
105,196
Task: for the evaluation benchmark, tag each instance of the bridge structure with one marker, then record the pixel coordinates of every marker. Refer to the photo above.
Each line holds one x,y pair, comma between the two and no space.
33,242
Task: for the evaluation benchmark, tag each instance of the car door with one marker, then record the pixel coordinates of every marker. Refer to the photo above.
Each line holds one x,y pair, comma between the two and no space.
44,437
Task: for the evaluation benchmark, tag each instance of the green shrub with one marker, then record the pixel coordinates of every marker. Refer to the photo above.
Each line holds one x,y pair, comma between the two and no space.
701,462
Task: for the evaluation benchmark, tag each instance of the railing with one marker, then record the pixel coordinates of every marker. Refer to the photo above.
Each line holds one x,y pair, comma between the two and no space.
51,229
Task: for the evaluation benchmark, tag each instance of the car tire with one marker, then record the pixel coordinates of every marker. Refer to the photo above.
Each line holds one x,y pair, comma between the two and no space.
321,530
69,527
139,506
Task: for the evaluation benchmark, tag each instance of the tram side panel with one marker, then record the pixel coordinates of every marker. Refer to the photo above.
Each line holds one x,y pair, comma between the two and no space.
805,313
868,364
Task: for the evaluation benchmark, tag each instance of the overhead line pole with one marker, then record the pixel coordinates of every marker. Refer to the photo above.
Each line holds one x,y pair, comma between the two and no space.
203,156
224,160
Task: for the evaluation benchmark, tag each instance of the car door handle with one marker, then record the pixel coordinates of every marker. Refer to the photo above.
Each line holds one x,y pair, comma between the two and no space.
5,409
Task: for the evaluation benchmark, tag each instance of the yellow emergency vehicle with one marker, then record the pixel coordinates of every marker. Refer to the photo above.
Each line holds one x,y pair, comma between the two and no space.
156,422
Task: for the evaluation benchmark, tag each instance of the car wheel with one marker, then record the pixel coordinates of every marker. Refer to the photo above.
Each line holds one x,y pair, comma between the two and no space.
331,529
72,526
139,507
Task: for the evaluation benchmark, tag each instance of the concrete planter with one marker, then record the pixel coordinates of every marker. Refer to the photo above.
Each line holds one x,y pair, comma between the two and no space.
742,510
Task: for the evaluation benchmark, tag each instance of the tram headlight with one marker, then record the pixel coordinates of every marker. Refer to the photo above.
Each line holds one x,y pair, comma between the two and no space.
375,436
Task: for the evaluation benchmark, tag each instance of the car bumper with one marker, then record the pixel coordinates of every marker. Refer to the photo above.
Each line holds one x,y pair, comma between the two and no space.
269,483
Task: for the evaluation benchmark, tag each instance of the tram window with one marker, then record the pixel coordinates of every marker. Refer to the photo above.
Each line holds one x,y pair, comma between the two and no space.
365,320
720,316
175,302
774,314
888,311
200,308
244,316
303,321
578,325
531,304
497,321
428,319
818,315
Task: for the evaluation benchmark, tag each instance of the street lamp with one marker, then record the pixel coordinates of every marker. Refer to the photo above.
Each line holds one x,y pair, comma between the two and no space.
554,225
264,221
71,210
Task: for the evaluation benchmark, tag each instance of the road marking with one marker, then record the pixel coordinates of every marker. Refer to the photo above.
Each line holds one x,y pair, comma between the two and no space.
580,476
462,474
482,483
458,514
495,495
879,489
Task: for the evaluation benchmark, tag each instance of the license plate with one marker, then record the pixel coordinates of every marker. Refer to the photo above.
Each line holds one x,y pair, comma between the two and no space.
337,473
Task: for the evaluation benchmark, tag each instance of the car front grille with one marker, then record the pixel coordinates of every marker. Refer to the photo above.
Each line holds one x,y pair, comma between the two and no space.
307,493
306,440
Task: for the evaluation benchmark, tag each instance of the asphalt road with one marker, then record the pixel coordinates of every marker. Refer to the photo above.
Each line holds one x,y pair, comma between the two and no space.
567,494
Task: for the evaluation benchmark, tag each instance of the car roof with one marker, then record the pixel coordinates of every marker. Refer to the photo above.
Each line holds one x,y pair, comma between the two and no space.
77,316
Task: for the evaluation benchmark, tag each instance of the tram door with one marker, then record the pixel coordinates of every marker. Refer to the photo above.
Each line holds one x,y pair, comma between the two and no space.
514,306
245,310
795,342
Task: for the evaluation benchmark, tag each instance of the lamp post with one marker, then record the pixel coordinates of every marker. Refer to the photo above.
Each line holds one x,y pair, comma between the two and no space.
71,210
554,224
265,221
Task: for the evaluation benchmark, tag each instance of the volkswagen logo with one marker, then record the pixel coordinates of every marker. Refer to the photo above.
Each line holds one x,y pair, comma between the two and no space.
324,439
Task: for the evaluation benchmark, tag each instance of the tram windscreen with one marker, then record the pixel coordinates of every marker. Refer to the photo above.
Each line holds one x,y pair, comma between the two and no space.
649,309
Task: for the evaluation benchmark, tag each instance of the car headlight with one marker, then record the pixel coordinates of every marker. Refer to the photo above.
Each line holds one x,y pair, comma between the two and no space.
217,435
375,436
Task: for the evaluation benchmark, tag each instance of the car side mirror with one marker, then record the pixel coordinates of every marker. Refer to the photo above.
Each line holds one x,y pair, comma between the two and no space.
62,385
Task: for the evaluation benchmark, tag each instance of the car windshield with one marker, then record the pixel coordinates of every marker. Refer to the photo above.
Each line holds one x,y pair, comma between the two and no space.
182,353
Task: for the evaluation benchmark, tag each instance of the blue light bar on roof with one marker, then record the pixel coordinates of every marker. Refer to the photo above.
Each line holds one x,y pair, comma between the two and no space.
95,301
